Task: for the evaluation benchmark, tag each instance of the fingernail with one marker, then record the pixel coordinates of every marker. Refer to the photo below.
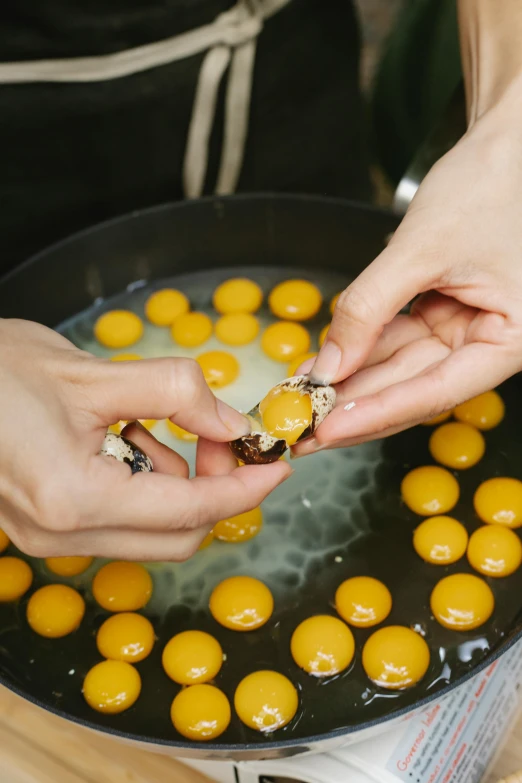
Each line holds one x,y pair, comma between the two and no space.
349,406
234,421
327,364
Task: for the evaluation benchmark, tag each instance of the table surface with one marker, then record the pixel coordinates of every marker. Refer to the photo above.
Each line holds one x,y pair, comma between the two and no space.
37,747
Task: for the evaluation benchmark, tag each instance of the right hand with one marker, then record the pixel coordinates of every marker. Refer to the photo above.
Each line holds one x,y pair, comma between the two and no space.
59,496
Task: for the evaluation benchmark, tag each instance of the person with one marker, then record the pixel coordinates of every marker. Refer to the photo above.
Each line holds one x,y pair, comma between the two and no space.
457,249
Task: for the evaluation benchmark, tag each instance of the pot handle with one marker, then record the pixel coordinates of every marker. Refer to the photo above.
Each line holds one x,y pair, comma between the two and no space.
444,136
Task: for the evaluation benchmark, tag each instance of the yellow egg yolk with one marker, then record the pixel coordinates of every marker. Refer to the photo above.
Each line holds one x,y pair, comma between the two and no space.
16,578
163,307
191,329
485,411
126,357
295,300
283,341
111,687
322,646
462,602
322,335
430,490
207,540
243,527
200,712
118,329
296,363
363,601
68,566
495,550
241,603
395,657
238,295
440,540
442,417
237,328
122,587
4,541
192,657
179,432
333,302
266,701
55,611
457,445
500,500
219,368
125,637
286,414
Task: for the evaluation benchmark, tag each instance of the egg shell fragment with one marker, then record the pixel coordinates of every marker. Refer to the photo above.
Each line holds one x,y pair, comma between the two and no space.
260,448
124,450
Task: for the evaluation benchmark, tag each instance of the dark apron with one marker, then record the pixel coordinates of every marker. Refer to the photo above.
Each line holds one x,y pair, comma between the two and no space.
77,153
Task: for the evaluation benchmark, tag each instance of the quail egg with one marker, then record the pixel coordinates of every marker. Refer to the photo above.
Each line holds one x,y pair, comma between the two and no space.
124,450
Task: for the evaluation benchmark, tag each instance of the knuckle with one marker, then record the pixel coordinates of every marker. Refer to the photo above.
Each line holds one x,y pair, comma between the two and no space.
358,303
183,377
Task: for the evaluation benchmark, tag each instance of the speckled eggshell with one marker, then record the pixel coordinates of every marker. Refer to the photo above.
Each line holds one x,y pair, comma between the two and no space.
124,450
260,448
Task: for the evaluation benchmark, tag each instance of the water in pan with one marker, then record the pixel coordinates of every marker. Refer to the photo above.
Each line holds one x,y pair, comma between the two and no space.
340,515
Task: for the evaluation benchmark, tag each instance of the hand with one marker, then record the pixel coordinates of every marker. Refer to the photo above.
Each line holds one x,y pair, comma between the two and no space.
460,248
58,496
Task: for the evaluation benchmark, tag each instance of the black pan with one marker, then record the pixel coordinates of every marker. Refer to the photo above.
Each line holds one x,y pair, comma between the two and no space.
282,233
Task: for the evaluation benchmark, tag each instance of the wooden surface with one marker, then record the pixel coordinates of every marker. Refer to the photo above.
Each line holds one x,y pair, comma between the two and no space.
36,747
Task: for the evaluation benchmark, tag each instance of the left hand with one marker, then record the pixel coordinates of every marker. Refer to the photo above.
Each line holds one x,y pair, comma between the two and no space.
460,248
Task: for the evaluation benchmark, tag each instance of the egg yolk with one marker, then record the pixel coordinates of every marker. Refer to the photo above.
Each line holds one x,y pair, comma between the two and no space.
334,301
237,328
500,500
122,587
495,550
284,341
207,540
295,300
118,329
200,712
462,602
16,578
440,540
162,307
125,637
485,411
219,368
322,335
238,295
442,417
266,701
68,566
457,445
363,601
430,490
192,657
241,603
55,611
242,527
4,541
191,329
395,657
286,414
111,686
296,363
126,357
322,646
179,432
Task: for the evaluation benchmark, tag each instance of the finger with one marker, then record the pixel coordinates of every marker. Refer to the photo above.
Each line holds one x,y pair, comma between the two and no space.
214,459
164,460
367,305
156,501
163,389
459,377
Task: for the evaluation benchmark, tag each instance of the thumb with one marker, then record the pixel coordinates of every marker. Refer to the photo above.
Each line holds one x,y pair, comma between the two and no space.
366,306
170,388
